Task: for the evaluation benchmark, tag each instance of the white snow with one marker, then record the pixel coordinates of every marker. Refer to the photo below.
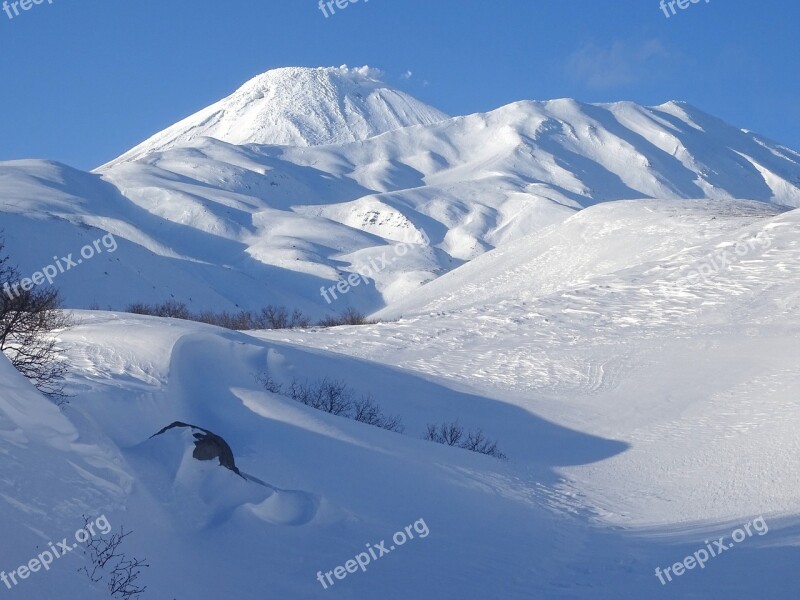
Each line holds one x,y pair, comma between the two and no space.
644,408
297,106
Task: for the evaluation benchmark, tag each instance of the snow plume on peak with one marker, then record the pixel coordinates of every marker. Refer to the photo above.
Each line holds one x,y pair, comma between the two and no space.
298,106
365,71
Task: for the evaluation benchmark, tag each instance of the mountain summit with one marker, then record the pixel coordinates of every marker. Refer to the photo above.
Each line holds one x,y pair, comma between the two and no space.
297,106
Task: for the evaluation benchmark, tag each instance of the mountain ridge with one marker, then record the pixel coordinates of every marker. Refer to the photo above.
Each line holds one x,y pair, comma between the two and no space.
220,225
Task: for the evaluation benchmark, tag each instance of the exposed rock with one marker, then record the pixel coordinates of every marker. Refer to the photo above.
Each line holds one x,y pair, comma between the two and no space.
208,446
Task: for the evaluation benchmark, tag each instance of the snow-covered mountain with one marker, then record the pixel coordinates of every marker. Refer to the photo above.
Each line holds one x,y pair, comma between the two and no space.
609,291
298,107
220,225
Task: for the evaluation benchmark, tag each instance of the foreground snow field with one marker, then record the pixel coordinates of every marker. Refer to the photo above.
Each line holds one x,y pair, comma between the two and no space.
696,374
644,410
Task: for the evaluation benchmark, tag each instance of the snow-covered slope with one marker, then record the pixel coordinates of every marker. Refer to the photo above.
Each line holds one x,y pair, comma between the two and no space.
576,153
644,409
318,488
597,241
645,322
669,326
53,472
297,106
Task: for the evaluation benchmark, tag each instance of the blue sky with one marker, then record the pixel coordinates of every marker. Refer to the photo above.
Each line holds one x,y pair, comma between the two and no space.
84,80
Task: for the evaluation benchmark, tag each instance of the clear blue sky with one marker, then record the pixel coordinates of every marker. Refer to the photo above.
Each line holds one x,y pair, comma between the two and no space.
84,80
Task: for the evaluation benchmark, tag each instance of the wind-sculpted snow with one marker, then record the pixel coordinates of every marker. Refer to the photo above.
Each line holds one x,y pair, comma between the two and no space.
53,472
643,411
315,487
672,321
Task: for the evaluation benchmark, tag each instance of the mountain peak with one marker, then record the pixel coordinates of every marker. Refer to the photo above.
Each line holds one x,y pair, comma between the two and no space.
299,106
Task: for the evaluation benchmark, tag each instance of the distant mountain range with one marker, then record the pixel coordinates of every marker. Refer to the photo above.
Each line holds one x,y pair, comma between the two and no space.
303,176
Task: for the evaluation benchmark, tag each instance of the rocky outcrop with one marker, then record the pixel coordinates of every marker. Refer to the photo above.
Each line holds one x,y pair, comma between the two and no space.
207,446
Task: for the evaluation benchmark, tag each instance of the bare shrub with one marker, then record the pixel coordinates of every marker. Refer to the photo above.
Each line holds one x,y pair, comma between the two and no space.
27,322
273,317
477,442
452,434
279,317
349,316
329,395
299,320
305,394
334,396
449,434
268,383
366,410
238,321
109,564
270,317
139,308
169,309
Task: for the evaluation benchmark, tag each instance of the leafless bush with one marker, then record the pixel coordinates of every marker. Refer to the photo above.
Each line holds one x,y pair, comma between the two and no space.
269,317
169,309
350,316
449,434
236,321
452,434
278,317
269,384
139,308
109,564
304,393
273,317
329,395
334,396
27,322
477,442
366,410
330,321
